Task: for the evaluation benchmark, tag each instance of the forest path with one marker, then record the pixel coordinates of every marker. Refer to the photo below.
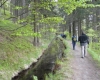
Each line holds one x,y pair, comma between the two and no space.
82,68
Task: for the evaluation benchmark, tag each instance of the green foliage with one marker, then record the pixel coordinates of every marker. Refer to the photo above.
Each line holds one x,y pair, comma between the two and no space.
7,25
26,31
17,44
54,77
4,14
95,46
35,77
18,8
52,30
71,5
17,53
94,54
53,20
66,51
14,55
67,34
91,33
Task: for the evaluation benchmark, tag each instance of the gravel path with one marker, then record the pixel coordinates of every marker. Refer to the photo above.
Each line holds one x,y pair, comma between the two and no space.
83,68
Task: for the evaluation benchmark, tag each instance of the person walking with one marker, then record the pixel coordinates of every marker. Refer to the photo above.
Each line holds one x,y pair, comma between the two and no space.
84,41
74,40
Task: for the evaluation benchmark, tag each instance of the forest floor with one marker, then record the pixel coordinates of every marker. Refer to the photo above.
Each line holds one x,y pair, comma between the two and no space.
82,68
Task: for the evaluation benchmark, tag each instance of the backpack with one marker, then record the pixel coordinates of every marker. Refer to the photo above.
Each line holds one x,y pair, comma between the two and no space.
74,39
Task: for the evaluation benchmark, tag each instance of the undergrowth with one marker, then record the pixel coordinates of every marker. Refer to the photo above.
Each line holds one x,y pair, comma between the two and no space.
94,51
94,55
16,54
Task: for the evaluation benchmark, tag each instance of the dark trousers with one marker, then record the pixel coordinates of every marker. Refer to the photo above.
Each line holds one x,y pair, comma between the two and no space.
74,44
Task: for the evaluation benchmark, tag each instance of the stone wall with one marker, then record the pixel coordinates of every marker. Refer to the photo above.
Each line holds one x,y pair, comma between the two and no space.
46,63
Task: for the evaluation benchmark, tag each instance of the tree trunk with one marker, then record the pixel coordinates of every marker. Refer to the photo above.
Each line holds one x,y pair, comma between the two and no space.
74,27
36,24
79,27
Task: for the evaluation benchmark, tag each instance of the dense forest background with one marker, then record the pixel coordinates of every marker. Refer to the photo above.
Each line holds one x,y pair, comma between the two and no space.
28,26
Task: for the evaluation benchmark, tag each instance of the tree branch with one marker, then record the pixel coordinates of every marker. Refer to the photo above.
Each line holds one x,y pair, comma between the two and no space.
3,3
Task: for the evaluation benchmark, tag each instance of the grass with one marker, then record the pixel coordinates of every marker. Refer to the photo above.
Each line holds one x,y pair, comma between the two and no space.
16,55
94,55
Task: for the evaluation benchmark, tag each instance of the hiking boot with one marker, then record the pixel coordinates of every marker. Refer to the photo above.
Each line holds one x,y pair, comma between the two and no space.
82,57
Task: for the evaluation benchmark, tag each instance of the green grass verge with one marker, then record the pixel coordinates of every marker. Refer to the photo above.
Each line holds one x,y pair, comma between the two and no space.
94,55
17,54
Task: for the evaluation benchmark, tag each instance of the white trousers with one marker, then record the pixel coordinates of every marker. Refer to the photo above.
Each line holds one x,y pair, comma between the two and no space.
84,49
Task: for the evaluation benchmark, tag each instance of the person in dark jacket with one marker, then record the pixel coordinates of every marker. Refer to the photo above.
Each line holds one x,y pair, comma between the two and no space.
63,36
74,40
84,41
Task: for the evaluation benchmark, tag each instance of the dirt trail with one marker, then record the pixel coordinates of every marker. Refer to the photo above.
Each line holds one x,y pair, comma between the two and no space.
83,69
